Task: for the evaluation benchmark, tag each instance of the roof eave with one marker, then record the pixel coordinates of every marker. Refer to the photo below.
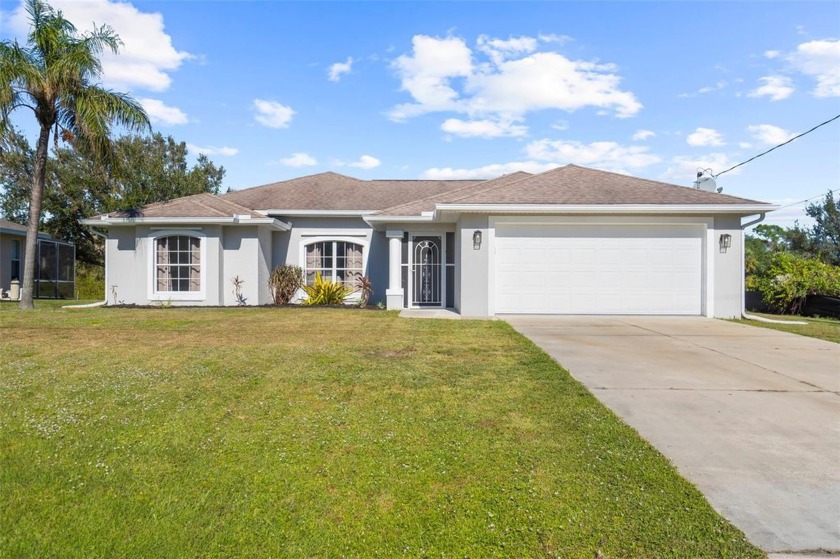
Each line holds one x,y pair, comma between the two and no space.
705,209
317,213
107,221
377,221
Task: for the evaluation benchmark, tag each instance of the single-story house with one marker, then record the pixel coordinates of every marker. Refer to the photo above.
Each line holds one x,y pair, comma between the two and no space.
570,240
55,263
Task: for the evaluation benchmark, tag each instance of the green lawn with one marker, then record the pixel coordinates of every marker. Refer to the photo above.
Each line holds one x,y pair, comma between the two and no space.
822,328
319,433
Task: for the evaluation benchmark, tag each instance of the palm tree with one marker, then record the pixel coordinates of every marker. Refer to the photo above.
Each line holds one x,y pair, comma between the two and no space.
56,74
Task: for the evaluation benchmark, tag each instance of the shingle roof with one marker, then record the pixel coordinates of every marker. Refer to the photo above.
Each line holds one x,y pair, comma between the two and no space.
574,185
197,205
428,204
569,185
12,226
332,191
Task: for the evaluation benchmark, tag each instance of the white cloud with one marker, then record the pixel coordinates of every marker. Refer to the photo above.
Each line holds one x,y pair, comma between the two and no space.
427,72
744,145
161,113
706,89
487,171
336,70
548,80
272,113
769,134
483,128
554,38
705,137
515,79
771,54
546,154
210,150
502,49
560,125
774,87
683,169
147,56
642,135
603,155
366,162
299,159
820,60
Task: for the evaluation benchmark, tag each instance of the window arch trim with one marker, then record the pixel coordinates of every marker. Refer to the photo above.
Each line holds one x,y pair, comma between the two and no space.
166,295
335,266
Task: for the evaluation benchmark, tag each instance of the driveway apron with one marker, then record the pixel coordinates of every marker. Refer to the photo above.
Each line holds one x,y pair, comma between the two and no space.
751,416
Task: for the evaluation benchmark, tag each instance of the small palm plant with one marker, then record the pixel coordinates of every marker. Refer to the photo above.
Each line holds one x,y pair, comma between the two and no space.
325,292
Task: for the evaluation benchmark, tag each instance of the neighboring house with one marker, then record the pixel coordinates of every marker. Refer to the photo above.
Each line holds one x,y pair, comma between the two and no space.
55,263
570,240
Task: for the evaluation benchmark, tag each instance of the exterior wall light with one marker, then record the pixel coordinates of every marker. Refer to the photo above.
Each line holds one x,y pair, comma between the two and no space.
477,240
725,242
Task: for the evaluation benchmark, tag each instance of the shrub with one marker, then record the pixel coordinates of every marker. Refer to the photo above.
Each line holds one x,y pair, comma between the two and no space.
325,292
90,281
790,279
284,282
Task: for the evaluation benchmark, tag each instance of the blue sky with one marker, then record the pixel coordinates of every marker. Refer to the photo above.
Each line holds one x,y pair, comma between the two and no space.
274,90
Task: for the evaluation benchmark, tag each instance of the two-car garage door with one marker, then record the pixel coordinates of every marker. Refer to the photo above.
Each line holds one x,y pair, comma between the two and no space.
598,269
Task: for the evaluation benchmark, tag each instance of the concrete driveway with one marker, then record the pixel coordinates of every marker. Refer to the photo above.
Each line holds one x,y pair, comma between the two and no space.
750,415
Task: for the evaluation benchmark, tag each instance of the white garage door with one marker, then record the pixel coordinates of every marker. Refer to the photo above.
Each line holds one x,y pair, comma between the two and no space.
598,269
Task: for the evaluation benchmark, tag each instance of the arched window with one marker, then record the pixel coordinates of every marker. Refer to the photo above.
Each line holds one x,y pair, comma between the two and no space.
340,261
177,264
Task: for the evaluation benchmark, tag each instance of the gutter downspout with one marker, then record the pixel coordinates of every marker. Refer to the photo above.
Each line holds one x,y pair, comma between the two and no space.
98,303
744,314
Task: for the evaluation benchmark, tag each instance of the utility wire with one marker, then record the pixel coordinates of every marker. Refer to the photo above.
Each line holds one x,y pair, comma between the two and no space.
803,201
776,147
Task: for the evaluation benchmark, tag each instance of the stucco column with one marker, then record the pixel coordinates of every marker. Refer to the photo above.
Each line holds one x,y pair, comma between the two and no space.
394,293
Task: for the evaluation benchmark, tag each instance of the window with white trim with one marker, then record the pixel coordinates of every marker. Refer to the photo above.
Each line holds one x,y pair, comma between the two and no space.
339,261
177,264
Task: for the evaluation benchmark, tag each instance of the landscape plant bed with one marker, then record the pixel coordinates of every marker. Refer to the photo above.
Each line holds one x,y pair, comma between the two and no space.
267,306
267,432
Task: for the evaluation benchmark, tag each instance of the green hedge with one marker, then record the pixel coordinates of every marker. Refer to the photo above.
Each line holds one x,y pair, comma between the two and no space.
90,281
790,279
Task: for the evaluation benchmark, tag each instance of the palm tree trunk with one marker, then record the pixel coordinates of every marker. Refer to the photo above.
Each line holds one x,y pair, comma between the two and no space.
38,179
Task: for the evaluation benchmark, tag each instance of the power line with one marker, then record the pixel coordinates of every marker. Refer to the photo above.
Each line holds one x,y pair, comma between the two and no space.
776,147
803,201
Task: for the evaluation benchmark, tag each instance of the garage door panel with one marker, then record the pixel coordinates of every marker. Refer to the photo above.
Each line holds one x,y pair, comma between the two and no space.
597,269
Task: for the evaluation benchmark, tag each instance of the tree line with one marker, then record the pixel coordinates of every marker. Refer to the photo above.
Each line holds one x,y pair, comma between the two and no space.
142,169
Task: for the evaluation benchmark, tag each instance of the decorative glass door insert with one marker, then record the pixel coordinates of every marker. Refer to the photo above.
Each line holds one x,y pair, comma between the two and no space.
426,261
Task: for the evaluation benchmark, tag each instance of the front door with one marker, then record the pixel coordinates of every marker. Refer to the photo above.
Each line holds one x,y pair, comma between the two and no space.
426,267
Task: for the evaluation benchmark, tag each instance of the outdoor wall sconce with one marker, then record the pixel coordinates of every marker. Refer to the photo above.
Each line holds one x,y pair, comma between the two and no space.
725,242
477,240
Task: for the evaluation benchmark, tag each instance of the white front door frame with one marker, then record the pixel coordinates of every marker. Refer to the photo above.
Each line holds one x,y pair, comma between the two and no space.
441,268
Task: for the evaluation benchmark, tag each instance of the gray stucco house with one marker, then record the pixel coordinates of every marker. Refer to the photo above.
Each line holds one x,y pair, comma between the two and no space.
55,263
571,240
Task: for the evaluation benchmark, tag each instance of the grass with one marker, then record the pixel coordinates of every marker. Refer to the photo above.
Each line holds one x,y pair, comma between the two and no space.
319,433
823,328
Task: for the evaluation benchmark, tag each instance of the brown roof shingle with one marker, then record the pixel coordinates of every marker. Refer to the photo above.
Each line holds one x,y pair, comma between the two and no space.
428,204
197,205
332,191
574,185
